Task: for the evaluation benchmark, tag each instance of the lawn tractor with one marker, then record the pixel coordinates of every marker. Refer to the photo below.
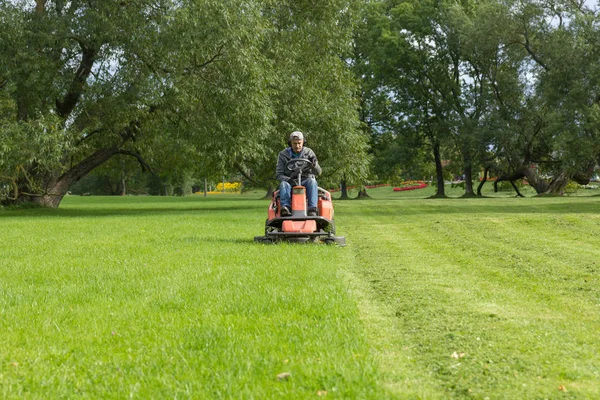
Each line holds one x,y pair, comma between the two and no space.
300,227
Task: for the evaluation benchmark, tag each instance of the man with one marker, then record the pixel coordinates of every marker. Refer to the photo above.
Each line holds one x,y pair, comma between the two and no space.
297,150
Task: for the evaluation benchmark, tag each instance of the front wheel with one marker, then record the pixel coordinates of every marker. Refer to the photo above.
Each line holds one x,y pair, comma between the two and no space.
330,228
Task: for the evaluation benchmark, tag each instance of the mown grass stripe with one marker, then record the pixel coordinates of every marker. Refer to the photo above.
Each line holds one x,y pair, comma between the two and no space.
155,297
513,321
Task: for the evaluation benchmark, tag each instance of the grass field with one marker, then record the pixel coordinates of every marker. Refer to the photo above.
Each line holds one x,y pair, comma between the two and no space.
150,297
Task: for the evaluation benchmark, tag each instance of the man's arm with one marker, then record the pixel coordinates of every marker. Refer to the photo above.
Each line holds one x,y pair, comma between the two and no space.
316,168
280,169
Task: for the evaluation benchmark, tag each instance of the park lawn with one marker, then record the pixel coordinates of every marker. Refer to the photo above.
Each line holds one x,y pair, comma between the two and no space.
483,298
169,297
152,297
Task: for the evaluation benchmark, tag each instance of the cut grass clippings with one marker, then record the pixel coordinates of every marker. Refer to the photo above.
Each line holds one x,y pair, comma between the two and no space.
169,297
483,298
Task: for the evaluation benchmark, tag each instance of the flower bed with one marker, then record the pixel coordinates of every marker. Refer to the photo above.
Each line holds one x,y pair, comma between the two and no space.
229,187
410,185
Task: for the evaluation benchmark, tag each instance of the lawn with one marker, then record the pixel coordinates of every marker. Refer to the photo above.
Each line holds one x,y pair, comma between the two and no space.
170,297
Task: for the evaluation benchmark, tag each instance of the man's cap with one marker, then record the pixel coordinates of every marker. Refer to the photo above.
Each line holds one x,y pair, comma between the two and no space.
296,135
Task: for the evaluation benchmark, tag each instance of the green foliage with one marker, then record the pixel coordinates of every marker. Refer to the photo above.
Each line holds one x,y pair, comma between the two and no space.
198,88
572,188
488,83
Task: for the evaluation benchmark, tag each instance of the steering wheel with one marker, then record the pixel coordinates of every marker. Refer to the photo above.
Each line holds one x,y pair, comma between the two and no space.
298,165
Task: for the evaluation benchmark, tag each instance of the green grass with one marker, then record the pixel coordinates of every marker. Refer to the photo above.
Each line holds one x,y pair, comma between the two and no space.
169,297
166,297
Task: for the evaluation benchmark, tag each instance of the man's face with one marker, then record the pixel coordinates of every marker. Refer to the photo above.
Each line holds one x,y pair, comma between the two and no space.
297,145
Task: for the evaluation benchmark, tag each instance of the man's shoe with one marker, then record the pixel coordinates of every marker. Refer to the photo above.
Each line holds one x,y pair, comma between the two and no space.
313,212
285,211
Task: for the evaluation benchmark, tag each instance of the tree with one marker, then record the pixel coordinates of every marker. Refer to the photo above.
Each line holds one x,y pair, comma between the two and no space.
170,83
411,55
313,90
553,135
504,85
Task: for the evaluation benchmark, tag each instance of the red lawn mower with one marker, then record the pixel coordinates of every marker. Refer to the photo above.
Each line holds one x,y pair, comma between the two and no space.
299,227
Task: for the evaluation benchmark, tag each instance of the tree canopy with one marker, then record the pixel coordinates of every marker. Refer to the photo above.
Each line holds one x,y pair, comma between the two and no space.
494,85
174,84
507,87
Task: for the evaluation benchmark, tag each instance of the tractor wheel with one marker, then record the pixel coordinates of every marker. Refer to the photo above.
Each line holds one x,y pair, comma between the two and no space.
331,228
269,228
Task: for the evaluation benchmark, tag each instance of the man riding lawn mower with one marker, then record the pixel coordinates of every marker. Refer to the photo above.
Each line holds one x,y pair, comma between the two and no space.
300,211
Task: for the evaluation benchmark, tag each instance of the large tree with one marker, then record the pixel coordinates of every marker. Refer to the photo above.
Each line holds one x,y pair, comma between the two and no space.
550,131
420,82
186,84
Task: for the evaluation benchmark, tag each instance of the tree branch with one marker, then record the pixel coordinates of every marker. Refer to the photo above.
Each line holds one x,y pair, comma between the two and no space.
536,58
71,98
196,67
245,174
145,166
40,7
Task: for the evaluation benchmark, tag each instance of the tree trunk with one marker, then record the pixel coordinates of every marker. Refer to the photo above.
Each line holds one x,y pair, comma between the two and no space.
362,194
270,191
123,187
483,181
344,190
439,171
56,189
516,189
537,183
469,179
40,7
558,184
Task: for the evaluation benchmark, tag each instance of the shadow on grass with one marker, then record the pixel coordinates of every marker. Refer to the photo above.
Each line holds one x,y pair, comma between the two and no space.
467,206
451,205
204,239
113,212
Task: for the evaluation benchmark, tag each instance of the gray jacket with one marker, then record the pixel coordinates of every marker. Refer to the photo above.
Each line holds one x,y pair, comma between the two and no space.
283,174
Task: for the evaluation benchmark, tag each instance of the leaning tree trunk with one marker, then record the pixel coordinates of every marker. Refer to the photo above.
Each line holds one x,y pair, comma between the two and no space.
558,184
537,183
516,189
439,171
57,188
483,181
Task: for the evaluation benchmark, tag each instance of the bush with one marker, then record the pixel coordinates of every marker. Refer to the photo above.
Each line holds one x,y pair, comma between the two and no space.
572,187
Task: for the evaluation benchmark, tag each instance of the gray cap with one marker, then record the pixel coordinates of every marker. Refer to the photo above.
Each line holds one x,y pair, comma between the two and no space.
296,135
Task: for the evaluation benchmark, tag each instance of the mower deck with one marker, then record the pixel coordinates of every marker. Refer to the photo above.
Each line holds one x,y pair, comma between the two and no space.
300,237
273,231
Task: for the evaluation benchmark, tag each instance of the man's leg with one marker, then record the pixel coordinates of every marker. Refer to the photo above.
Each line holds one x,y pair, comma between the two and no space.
285,198
312,194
